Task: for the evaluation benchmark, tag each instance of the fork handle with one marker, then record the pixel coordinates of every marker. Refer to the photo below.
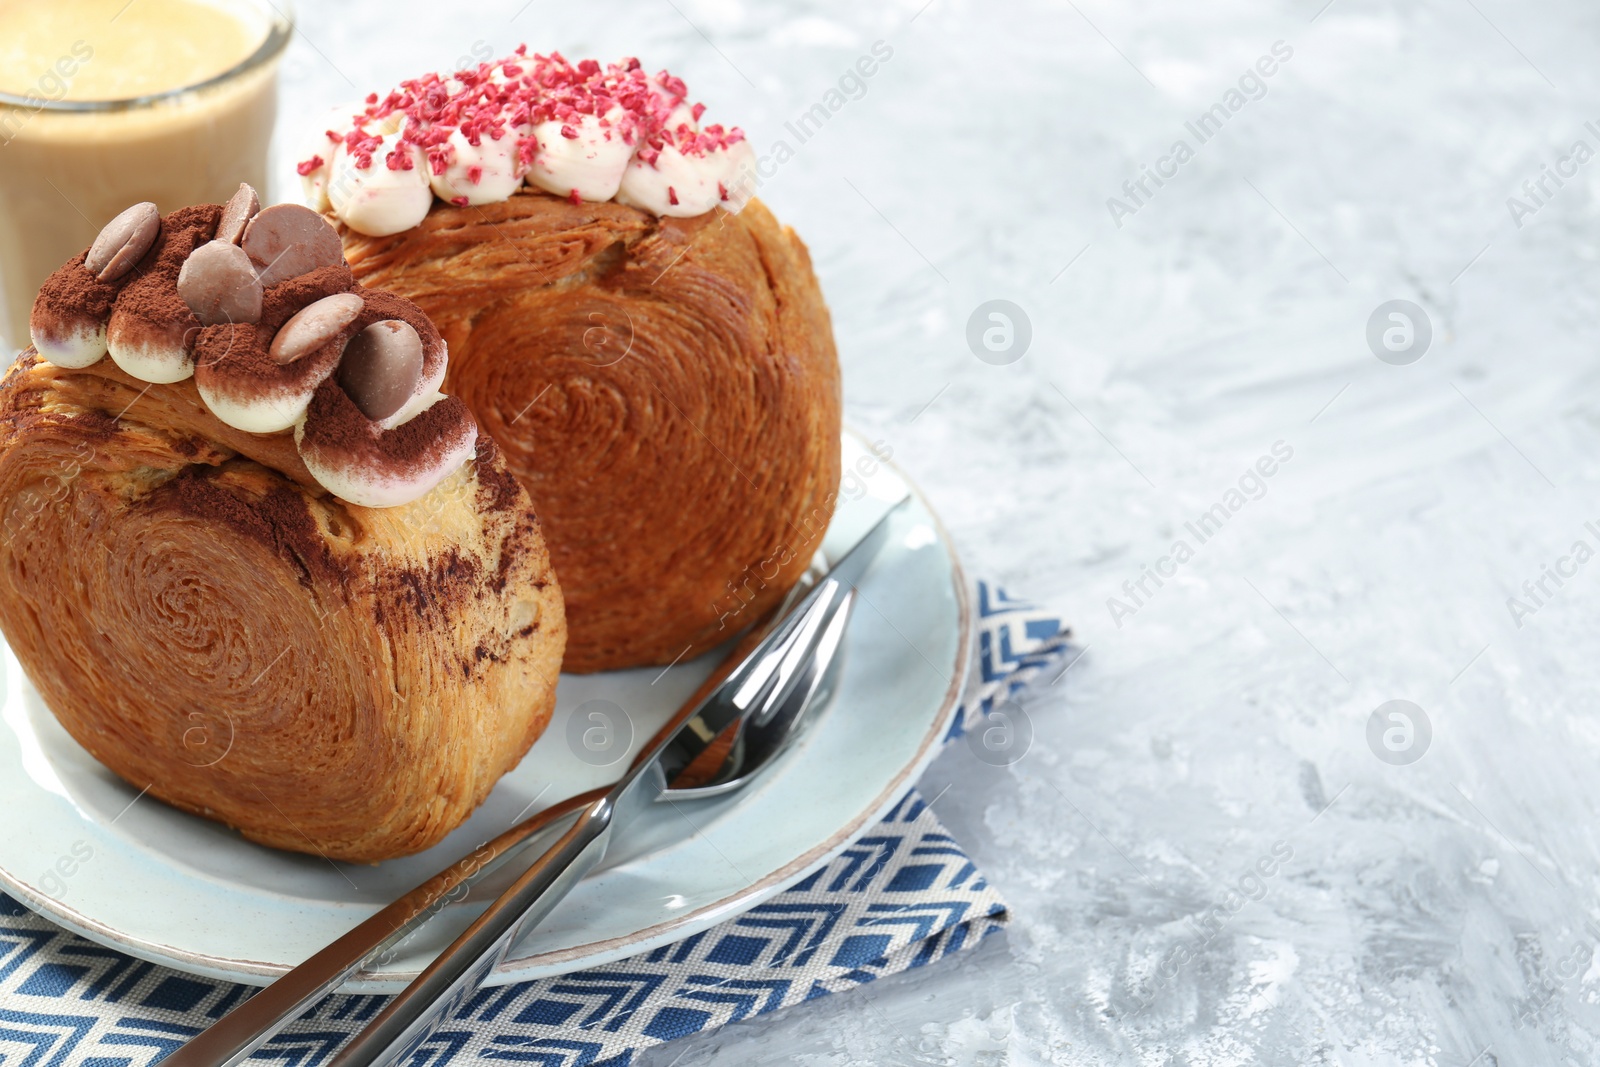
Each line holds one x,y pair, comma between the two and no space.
412,1016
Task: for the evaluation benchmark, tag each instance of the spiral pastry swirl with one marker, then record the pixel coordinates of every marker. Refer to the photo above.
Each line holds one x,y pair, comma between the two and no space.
667,389
212,625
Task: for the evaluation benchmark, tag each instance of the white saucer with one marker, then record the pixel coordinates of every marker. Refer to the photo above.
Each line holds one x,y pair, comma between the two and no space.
85,849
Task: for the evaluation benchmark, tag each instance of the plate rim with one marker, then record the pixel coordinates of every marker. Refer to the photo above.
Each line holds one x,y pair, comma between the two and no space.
593,953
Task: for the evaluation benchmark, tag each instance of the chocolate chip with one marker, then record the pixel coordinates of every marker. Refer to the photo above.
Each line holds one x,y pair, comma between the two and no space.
239,209
123,242
220,285
382,368
314,326
287,240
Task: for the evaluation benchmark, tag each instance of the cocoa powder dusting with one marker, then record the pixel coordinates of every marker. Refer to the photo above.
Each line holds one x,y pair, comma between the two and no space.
97,426
280,519
382,304
235,358
498,489
435,592
500,492
151,299
283,301
337,432
183,231
73,295
513,547
225,345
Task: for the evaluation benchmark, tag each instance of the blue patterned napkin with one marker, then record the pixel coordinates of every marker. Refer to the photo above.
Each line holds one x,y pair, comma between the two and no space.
902,896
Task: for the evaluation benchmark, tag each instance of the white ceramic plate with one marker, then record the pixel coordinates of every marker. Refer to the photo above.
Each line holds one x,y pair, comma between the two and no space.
82,847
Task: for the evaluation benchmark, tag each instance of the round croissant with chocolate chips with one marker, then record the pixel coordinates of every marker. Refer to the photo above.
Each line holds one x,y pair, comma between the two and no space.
251,556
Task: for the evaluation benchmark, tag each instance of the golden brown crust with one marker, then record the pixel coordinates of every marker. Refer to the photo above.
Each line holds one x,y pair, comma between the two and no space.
206,622
667,390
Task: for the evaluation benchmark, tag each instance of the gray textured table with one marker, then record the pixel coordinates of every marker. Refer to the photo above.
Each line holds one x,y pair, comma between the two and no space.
1212,855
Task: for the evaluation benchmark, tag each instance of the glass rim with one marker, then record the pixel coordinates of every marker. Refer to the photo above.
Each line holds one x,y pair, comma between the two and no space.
279,30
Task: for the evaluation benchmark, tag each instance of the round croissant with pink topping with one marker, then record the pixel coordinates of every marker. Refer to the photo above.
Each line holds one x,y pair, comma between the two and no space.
648,345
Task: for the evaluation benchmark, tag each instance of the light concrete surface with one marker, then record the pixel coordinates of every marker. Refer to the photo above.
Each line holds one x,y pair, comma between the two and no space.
1208,862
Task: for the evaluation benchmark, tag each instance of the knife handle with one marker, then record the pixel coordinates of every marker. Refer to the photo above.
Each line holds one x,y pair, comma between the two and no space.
412,1016
230,1040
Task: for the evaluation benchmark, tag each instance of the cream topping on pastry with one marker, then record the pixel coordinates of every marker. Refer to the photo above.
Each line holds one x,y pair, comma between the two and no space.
478,173
674,184
580,130
318,151
381,192
276,334
146,355
357,461
70,344
587,160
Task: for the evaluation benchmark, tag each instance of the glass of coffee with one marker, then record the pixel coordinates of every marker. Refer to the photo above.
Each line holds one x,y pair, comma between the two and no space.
107,103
